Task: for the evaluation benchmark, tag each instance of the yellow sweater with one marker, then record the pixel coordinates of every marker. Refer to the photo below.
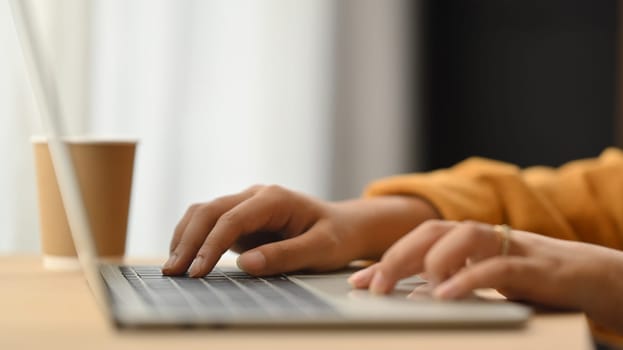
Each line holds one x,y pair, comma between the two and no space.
582,200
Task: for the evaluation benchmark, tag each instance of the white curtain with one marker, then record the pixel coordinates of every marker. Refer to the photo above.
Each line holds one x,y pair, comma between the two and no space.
17,219
376,121
221,95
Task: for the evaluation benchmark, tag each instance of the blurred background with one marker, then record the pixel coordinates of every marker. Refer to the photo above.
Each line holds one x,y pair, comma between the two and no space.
319,96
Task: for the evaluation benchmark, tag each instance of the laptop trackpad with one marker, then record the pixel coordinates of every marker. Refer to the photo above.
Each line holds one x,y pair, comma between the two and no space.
411,302
335,285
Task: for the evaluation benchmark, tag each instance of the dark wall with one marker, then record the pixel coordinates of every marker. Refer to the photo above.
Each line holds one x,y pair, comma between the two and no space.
525,81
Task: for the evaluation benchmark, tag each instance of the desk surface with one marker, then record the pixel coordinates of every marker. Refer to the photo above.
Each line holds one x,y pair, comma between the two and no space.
55,310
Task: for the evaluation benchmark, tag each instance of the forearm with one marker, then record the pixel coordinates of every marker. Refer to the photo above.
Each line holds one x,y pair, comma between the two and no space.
376,223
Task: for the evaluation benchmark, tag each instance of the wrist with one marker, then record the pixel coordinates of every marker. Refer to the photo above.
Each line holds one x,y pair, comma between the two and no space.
378,222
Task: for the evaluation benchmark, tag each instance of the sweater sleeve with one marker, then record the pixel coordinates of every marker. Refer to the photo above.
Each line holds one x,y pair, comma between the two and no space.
582,200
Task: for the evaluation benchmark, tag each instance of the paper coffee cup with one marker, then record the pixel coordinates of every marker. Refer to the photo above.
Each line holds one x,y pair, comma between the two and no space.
104,169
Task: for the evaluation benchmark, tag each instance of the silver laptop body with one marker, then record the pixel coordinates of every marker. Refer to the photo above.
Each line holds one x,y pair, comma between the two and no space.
286,300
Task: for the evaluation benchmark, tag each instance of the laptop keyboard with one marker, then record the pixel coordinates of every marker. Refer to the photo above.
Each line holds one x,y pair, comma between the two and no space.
224,293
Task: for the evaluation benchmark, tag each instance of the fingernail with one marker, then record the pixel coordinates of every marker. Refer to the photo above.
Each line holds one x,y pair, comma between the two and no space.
169,264
359,278
446,290
195,267
253,261
378,284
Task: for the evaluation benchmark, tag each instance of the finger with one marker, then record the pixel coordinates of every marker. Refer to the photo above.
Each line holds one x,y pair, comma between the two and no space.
181,227
362,278
515,277
467,240
406,257
293,254
221,205
270,210
200,219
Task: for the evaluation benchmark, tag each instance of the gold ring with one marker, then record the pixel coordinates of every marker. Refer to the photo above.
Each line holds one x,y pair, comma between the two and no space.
505,233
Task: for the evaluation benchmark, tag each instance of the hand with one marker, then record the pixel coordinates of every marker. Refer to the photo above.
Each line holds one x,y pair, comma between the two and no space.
460,257
279,230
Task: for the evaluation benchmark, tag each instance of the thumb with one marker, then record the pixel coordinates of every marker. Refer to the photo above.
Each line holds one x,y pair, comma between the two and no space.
306,251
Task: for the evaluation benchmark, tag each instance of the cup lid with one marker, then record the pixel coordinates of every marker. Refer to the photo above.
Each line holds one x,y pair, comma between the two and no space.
88,139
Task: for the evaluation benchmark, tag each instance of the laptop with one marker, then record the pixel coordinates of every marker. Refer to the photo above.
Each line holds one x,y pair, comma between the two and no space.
140,296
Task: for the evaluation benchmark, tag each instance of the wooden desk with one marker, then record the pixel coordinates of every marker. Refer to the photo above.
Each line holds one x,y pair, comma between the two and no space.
42,309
